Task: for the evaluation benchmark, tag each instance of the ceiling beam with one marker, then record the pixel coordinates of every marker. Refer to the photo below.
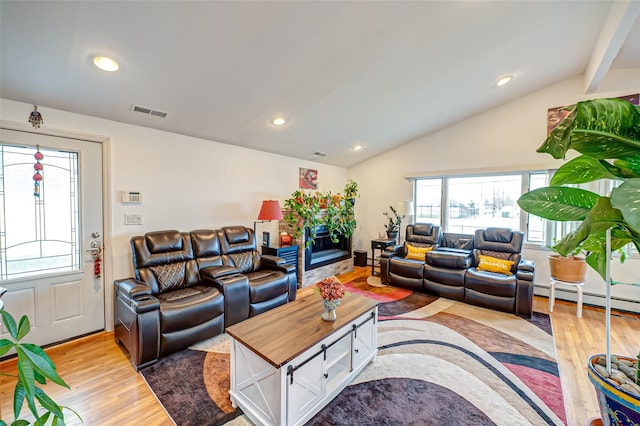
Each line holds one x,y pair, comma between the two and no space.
622,16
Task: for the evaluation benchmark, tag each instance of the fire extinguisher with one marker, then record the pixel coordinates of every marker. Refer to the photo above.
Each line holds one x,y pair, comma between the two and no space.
97,263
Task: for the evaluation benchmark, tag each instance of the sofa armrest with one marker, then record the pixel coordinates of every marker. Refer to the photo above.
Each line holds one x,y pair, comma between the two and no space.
137,295
237,302
392,251
279,264
525,270
272,261
132,287
527,265
212,272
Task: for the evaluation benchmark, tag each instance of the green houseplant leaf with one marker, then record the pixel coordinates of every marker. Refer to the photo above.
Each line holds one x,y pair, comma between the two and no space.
582,169
10,324
558,203
590,235
23,327
626,198
624,168
600,128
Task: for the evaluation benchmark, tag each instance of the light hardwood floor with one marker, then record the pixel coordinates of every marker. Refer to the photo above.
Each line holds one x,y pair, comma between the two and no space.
106,390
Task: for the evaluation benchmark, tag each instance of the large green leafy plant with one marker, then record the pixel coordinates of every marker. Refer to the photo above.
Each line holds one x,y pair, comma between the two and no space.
333,211
34,365
606,132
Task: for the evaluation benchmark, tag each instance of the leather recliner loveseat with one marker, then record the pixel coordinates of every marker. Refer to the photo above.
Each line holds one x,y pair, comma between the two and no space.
512,292
453,270
190,286
405,271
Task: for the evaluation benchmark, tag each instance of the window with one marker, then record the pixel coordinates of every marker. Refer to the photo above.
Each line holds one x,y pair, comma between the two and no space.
428,200
482,201
466,203
535,224
38,234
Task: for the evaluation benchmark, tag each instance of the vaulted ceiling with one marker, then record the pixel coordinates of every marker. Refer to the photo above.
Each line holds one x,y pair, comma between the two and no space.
373,73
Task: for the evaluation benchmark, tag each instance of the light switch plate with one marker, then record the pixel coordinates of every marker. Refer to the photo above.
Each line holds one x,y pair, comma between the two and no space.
133,219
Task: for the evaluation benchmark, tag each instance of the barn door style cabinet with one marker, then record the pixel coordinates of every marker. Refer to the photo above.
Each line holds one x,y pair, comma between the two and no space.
294,389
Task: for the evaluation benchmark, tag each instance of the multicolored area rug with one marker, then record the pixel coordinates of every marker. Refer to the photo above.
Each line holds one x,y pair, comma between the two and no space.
440,362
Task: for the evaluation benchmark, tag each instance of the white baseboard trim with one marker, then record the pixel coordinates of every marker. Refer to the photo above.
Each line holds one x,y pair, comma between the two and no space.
593,299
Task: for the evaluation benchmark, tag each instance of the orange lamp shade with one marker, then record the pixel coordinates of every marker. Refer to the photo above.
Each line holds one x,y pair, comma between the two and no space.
270,210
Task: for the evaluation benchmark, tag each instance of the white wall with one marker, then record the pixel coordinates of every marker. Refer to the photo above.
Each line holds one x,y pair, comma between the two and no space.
502,139
187,183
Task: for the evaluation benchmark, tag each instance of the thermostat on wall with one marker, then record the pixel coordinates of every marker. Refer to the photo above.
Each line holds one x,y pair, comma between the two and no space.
130,197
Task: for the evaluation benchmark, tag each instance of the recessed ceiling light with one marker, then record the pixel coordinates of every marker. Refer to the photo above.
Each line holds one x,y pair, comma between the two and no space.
106,64
504,80
357,147
278,121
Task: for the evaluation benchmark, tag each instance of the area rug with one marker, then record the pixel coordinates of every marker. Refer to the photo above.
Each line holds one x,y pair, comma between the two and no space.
439,362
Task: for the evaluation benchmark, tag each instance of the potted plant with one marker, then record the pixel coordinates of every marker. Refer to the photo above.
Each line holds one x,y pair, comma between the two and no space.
34,365
350,191
571,268
311,210
606,132
394,220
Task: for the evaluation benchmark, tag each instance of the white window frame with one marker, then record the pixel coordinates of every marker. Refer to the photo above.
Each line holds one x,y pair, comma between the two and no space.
444,203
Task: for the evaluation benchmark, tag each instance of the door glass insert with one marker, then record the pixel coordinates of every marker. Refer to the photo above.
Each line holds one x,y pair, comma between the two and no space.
38,234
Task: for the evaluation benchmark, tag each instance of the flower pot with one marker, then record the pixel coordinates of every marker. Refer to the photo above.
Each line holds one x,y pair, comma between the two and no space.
392,234
569,269
617,406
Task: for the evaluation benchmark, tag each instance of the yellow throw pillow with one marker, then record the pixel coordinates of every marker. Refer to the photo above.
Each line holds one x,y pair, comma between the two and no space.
492,264
417,253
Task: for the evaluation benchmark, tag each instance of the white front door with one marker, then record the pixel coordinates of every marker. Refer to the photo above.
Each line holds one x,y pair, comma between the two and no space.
48,241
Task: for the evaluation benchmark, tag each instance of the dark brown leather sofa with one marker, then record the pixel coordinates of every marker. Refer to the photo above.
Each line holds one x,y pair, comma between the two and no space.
190,286
450,270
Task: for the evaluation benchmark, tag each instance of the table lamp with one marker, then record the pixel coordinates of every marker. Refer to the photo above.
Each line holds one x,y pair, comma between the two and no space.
270,210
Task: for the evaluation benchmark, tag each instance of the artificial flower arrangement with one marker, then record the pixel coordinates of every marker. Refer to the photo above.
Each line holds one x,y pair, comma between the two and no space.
330,288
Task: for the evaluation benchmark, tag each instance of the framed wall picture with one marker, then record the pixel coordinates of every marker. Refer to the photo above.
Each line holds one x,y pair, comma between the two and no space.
308,178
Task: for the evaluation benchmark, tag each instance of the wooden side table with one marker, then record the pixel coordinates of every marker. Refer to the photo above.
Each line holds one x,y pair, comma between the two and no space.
379,244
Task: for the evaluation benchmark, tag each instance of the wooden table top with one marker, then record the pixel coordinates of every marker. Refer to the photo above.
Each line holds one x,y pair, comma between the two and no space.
281,334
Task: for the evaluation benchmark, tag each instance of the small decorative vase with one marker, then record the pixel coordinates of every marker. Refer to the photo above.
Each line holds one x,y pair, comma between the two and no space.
330,309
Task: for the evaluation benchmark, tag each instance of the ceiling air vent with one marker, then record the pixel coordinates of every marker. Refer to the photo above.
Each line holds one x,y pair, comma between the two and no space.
319,154
149,111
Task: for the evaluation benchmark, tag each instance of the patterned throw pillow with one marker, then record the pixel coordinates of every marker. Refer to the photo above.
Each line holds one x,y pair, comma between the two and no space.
493,264
417,253
170,276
